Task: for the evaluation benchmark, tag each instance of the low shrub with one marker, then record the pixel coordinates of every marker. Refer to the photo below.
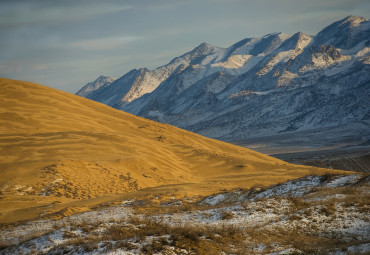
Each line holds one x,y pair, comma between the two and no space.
227,215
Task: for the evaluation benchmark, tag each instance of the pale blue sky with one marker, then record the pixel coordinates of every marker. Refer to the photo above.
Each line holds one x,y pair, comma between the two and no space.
65,44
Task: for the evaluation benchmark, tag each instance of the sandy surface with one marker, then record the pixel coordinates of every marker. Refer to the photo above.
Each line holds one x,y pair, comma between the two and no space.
60,151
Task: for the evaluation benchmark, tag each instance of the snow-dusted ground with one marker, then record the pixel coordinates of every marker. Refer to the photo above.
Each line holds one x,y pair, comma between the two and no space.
330,211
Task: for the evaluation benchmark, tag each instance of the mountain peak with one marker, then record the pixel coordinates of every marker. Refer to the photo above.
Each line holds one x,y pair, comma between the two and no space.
204,47
104,78
344,33
101,81
297,41
204,44
354,20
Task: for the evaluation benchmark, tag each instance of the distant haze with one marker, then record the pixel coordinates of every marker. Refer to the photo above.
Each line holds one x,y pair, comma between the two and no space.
65,44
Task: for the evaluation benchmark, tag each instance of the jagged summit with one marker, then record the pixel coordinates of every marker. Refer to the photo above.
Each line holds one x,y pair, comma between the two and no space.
101,81
298,41
204,45
354,20
104,77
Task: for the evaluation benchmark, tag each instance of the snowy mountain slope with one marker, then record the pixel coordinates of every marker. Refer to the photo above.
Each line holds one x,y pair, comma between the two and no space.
137,83
101,81
277,83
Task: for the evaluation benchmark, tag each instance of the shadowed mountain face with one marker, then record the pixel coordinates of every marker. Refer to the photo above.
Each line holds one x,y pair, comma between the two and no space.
56,148
275,84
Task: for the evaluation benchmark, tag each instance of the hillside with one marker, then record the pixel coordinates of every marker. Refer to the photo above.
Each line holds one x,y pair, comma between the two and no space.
58,150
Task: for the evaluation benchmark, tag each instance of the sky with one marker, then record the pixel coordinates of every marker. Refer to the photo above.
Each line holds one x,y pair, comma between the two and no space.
66,44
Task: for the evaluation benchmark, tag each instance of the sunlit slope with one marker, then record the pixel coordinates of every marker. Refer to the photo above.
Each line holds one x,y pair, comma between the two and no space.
57,144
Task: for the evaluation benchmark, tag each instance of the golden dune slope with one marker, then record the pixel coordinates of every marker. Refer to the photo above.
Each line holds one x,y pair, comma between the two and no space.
55,145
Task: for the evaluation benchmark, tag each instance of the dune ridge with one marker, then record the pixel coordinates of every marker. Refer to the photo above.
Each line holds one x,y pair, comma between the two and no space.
57,148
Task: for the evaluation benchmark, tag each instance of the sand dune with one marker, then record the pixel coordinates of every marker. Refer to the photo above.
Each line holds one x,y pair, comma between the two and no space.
58,149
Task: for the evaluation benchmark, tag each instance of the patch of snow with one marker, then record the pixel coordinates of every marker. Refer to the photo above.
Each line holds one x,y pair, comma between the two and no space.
290,251
363,52
354,50
321,60
304,41
233,62
285,78
155,113
344,180
267,91
109,100
214,200
359,249
280,57
293,188
339,68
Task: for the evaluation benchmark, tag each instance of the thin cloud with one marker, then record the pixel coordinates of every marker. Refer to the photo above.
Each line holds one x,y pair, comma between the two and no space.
35,14
104,43
9,68
166,5
38,67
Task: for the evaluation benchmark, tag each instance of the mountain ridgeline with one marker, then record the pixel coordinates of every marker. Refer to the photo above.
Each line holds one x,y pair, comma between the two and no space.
274,84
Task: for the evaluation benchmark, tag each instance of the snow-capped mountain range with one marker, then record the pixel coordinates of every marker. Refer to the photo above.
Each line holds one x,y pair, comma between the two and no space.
278,83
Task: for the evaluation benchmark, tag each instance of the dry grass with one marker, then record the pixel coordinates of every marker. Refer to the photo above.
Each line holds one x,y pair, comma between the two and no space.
328,209
297,238
193,239
203,239
298,203
157,209
149,235
226,215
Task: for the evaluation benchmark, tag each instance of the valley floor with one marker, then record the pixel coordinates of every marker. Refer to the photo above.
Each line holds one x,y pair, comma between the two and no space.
315,214
344,147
